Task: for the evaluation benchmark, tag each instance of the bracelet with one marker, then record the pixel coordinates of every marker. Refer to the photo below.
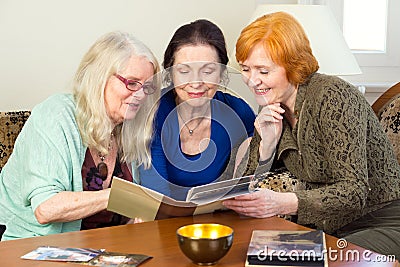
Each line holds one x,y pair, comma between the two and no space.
263,162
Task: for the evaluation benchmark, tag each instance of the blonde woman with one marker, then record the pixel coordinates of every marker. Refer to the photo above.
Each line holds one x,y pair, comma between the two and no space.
59,175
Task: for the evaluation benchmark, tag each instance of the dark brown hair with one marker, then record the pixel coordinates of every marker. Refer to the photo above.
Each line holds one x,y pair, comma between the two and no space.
197,32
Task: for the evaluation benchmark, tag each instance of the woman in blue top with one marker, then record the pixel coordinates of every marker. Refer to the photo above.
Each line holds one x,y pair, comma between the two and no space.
196,124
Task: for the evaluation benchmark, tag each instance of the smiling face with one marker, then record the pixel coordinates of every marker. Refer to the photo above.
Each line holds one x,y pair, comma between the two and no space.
196,74
120,102
266,79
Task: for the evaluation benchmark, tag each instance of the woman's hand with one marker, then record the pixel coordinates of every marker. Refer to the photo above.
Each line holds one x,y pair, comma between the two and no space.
269,126
264,203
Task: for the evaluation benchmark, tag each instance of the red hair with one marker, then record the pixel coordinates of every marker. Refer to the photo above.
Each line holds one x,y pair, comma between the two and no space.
285,41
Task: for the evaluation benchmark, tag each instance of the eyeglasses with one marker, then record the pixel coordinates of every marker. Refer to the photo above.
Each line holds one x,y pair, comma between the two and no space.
133,85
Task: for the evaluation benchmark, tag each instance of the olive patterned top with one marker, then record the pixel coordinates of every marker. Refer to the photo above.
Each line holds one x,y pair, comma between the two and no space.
339,150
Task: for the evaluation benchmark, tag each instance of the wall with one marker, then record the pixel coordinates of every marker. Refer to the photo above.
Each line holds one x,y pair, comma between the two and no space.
382,70
42,41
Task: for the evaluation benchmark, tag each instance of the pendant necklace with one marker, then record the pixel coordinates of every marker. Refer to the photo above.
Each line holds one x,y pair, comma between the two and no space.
191,131
102,167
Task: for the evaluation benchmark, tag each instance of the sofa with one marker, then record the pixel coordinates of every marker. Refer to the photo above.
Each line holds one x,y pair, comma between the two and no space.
11,123
387,108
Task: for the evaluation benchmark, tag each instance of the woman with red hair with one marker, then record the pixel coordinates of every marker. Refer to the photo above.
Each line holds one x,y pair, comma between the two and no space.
325,133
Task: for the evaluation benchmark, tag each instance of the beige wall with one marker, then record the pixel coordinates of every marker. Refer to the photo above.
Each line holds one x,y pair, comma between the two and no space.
42,41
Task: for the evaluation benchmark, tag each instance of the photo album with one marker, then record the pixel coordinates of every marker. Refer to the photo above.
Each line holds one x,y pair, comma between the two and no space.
135,201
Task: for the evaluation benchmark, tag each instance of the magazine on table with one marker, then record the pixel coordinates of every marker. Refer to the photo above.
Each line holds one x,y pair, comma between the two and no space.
86,256
287,248
135,201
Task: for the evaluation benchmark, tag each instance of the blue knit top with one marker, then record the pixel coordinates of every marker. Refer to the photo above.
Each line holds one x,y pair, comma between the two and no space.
173,172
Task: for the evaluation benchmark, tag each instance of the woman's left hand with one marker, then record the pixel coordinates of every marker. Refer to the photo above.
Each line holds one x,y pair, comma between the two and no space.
269,126
264,203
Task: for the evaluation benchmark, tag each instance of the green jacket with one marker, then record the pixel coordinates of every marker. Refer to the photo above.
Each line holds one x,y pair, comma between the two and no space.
47,159
339,150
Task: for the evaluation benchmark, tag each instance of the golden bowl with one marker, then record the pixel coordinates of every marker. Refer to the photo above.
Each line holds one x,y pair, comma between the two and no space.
205,243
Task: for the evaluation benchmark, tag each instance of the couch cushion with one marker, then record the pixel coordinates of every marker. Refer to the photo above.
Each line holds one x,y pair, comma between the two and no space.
390,120
11,124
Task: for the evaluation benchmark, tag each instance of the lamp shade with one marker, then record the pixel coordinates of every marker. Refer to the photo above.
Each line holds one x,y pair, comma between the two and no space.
326,38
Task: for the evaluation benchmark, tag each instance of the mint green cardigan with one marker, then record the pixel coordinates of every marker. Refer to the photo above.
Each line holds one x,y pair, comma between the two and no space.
47,159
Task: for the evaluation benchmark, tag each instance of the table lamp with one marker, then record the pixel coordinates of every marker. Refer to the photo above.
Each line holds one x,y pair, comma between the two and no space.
326,38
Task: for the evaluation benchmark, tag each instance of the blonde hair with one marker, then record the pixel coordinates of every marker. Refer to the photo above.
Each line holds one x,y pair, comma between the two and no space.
286,42
107,56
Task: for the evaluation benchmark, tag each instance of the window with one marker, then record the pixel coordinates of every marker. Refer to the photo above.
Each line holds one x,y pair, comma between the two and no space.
365,31
369,27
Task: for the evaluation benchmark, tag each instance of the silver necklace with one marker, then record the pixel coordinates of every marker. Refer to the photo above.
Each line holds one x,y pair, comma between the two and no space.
191,131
